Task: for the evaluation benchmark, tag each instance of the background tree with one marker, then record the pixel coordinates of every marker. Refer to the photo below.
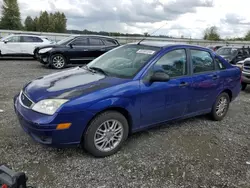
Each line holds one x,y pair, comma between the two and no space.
247,36
44,21
36,25
29,24
10,15
211,33
60,22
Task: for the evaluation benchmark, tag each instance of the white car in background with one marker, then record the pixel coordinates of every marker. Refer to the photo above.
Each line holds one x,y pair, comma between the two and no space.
21,44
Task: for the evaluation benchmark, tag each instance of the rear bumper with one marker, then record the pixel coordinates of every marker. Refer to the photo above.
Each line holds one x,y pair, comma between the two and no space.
42,128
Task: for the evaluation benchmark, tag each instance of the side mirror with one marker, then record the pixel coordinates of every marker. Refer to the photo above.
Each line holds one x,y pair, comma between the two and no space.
5,41
71,45
159,77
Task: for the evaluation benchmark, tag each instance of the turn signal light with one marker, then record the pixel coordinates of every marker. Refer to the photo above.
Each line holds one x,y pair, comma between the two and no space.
63,126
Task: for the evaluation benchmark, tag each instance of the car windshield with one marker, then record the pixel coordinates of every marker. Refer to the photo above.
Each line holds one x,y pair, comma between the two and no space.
124,61
65,41
227,51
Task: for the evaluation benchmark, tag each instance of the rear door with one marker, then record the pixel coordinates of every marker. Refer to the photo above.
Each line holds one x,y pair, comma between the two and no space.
11,46
28,44
78,50
97,47
207,81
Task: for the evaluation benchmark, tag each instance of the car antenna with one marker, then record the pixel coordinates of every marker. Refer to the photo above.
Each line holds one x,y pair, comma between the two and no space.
151,33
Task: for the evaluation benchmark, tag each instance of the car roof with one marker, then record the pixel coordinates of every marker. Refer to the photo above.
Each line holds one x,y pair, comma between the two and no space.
28,35
100,36
169,44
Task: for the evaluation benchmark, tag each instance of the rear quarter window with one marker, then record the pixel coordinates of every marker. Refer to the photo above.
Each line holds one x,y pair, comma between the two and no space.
219,63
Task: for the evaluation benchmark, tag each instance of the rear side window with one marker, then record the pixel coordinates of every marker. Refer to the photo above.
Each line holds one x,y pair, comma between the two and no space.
30,39
80,42
174,63
95,42
202,61
110,42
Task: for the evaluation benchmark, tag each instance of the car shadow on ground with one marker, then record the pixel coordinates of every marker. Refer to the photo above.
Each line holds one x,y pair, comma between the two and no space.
158,128
17,58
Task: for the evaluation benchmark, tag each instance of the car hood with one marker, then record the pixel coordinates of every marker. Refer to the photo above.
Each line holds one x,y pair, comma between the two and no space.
47,46
69,84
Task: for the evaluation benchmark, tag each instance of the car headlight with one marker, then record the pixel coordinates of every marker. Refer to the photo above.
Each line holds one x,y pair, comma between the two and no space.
44,50
48,106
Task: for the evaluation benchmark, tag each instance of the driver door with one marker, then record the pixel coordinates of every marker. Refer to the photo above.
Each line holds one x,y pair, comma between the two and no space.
11,46
163,101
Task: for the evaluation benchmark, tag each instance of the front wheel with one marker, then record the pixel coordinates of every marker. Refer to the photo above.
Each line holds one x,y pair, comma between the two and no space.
106,134
243,86
58,61
220,107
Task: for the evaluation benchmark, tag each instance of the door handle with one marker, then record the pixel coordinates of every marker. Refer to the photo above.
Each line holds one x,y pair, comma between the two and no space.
215,77
183,84
85,50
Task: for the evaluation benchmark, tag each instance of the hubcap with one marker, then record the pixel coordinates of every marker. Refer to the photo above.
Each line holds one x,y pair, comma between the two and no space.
108,135
221,106
58,61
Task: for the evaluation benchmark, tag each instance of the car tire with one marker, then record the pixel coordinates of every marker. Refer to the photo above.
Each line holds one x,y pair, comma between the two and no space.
58,61
219,112
243,86
106,129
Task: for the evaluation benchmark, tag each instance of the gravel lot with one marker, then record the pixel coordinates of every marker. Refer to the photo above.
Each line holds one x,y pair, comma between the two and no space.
192,153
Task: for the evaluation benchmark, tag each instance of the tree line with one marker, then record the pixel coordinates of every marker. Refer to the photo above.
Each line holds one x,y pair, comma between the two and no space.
45,22
212,33
57,22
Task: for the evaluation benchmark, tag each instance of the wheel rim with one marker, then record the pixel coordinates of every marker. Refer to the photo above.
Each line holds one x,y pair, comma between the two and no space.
221,106
108,135
58,61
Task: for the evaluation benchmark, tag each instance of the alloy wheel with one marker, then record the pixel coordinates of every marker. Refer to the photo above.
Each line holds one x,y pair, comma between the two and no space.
108,135
58,62
222,105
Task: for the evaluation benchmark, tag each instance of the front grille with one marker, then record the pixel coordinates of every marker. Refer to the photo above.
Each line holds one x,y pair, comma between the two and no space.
25,101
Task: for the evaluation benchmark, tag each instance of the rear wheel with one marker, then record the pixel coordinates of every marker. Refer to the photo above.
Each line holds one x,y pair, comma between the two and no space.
243,86
220,107
58,61
106,134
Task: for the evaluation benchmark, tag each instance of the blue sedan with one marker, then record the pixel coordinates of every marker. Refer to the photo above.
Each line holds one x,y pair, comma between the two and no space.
128,89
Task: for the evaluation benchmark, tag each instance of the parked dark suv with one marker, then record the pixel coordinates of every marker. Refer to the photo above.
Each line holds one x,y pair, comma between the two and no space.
74,49
233,54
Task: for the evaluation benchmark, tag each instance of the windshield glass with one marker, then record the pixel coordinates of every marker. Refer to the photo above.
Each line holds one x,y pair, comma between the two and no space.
227,51
124,61
65,41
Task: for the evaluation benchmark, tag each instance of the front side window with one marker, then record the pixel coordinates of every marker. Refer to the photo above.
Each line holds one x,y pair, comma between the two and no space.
13,39
174,63
202,61
125,61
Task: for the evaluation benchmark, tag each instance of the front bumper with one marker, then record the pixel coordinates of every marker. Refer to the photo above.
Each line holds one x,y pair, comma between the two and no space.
42,128
245,78
43,58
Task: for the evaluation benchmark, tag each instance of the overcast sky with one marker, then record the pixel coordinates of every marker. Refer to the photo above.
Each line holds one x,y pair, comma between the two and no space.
184,17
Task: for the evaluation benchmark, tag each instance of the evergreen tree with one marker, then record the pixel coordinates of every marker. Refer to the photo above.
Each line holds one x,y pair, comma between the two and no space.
29,24
11,15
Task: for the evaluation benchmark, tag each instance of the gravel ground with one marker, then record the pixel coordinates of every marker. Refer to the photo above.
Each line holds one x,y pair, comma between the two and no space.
192,153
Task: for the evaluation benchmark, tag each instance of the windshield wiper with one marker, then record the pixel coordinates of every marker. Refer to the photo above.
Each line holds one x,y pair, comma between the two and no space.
98,70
